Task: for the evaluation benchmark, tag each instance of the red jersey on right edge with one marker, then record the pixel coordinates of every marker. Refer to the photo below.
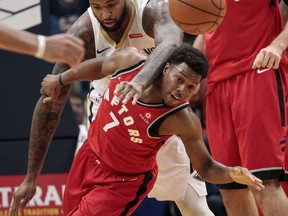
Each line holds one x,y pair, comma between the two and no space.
125,137
237,40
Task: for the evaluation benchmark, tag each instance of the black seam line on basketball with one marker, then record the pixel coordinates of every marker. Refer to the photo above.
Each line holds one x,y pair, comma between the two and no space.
183,2
214,22
195,23
217,17
220,8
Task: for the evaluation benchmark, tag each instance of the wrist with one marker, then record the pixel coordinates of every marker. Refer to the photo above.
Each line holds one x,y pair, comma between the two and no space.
59,78
231,173
41,46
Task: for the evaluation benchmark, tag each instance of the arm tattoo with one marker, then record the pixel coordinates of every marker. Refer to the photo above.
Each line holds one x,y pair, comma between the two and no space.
46,116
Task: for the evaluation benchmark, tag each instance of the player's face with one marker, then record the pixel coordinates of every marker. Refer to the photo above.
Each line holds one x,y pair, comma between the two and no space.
110,13
179,83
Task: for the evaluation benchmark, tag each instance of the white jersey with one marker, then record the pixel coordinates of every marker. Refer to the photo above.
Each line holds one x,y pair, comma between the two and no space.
134,36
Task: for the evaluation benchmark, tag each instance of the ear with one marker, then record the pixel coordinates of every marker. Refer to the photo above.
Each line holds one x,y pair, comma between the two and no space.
197,89
166,67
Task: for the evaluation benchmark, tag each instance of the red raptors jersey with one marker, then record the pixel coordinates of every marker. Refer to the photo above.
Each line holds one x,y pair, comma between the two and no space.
126,137
247,27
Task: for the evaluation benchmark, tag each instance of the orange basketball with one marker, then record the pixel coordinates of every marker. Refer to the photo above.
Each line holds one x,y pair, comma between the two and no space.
197,16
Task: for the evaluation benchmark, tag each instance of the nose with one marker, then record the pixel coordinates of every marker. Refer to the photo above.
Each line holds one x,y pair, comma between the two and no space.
181,90
105,14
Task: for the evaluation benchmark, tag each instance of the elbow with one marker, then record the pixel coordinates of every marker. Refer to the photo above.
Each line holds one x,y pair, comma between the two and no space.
205,170
171,43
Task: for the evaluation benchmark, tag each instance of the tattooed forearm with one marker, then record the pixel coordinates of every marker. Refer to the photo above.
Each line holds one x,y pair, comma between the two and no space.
46,116
45,120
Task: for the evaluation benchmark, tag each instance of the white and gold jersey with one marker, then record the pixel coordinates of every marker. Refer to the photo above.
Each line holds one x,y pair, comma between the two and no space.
134,36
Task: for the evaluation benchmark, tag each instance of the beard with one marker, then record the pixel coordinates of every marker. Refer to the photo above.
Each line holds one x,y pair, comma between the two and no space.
118,23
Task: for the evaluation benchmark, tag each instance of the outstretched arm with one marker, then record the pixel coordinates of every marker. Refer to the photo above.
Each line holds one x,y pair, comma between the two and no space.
158,24
187,125
57,48
92,69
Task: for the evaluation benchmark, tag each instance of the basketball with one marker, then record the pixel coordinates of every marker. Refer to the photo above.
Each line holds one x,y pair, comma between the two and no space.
197,16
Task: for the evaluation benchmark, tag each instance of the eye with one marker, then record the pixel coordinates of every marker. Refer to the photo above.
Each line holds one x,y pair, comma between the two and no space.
179,79
97,7
191,87
110,5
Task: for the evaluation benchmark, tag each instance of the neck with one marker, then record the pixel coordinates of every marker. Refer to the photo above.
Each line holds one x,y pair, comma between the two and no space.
153,93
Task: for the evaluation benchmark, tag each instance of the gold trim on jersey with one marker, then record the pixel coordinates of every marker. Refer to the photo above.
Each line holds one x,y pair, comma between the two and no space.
125,35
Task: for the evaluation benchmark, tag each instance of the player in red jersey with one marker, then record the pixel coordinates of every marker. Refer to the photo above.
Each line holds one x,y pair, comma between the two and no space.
116,167
270,57
249,127
245,107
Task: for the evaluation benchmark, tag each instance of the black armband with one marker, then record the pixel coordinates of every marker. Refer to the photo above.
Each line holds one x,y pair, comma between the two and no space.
59,76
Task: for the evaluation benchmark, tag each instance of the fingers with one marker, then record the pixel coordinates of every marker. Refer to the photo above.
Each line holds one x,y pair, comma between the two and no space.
244,176
17,205
258,184
135,98
77,44
76,40
127,91
64,48
266,59
258,60
52,98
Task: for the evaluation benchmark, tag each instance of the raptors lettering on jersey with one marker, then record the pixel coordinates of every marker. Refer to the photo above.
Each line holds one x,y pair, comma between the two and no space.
127,120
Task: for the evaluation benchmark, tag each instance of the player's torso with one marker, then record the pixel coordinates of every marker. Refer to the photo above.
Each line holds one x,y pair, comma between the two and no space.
134,36
247,27
126,136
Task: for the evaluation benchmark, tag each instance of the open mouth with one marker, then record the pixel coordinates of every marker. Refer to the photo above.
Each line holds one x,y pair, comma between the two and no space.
108,23
176,97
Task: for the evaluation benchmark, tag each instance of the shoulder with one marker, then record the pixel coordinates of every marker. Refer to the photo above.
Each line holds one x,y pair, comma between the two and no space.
129,56
82,28
183,122
154,12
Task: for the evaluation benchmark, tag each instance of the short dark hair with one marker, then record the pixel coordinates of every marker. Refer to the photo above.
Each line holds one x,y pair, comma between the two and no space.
78,95
194,58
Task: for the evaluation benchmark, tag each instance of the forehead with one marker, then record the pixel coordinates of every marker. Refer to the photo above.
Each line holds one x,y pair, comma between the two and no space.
186,71
103,1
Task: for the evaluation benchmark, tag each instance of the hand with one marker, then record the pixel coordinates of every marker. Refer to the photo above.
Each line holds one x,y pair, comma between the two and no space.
130,89
268,57
64,48
22,196
243,176
50,88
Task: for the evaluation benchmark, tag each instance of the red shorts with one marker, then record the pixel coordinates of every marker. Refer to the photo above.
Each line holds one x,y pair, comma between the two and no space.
286,148
246,125
93,188
286,163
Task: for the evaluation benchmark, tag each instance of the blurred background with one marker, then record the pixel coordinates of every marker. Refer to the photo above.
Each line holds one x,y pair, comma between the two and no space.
20,81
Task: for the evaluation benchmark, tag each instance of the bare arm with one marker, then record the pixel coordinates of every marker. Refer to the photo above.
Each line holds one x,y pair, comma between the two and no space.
270,56
43,126
187,125
46,118
284,11
63,48
100,67
157,23
92,69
